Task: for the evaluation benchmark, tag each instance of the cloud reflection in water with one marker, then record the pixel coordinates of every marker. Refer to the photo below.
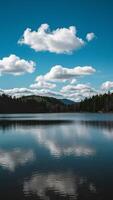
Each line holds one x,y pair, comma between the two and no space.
14,158
65,140
60,184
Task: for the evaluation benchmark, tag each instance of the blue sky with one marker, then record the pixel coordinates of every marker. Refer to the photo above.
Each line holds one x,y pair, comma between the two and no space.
86,16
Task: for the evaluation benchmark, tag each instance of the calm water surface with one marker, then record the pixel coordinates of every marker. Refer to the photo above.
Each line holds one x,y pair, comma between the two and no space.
56,156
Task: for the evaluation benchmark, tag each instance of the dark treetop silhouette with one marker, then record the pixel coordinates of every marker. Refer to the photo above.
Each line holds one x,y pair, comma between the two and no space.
39,104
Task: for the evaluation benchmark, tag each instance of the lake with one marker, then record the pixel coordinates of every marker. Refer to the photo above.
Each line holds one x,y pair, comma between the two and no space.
56,156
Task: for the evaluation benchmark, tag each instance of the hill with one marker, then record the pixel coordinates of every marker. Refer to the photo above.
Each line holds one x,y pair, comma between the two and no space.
30,104
39,104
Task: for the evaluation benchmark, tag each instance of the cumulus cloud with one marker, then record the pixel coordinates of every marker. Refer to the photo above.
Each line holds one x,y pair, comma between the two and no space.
78,92
18,92
72,92
90,36
42,84
61,40
16,157
74,96
60,73
78,87
73,81
16,66
107,85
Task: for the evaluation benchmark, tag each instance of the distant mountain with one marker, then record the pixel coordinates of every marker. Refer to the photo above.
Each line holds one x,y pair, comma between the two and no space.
67,101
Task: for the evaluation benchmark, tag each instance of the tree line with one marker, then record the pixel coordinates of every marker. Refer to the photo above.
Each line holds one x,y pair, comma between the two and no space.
38,104
97,103
30,104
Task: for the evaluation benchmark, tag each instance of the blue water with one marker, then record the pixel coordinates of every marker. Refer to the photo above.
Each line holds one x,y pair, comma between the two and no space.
56,156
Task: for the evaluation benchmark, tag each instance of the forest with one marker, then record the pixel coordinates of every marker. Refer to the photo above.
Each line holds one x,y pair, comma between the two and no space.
39,104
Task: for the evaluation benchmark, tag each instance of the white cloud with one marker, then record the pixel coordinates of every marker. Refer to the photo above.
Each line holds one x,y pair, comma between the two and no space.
16,66
90,36
75,96
60,73
107,85
16,157
73,81
45,83
42,84
72,92
78,87
18,92
78,92
61,40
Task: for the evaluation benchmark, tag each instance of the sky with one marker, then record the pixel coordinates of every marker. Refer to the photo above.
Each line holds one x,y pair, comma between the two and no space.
62,48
